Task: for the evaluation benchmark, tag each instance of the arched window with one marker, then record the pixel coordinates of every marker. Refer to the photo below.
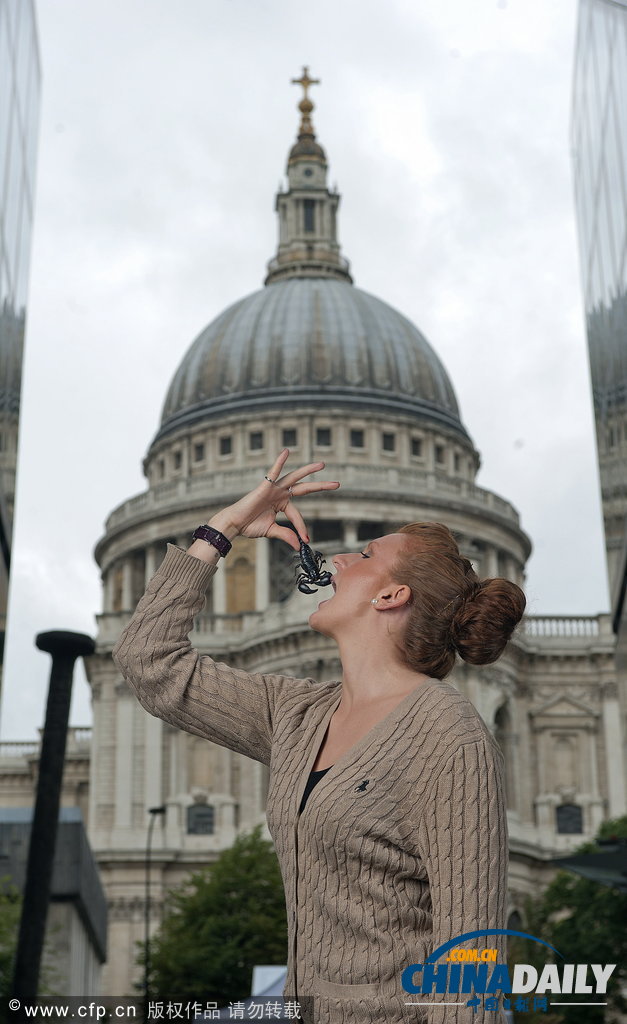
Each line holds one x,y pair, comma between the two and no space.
240,587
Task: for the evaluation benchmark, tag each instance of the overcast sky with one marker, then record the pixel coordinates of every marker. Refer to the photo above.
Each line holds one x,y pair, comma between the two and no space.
164,134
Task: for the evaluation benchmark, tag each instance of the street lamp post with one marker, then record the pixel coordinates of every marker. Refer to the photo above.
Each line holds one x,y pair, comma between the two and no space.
153,812
65,647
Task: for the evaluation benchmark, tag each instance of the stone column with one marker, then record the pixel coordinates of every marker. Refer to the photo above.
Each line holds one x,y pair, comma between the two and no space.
513,572
491,562
227,819
596,803
151,561
152,761
429,450
251,793
172,819
127,586
219,591
262,574
124,713
107,595
350,534
226,758
613,752
95,776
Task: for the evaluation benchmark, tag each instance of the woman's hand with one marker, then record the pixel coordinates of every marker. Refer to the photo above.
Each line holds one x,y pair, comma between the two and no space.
255,514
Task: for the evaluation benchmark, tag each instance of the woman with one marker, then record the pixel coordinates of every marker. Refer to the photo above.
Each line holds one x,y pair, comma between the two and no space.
402,844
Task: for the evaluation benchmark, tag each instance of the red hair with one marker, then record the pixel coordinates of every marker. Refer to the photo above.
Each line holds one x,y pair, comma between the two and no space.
451,609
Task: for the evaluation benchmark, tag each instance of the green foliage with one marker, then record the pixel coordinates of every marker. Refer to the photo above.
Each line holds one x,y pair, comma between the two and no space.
585,921
219,924
10,913
10,910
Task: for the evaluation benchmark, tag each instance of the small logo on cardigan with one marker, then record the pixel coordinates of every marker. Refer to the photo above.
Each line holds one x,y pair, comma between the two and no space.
361,788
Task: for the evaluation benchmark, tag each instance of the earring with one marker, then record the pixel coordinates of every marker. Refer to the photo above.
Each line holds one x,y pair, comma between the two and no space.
375,600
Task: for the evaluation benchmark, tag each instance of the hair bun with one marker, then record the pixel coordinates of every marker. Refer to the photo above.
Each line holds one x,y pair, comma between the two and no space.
486,619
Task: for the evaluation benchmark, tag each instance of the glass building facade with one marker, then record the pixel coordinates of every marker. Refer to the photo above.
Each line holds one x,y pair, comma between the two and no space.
599,146
20,82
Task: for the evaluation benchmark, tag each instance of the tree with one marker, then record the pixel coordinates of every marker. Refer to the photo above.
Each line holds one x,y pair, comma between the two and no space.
220,923
585,921
10,910
10,914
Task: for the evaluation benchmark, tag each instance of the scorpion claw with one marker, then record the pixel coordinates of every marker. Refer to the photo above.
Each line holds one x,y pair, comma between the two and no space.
324,580
304,589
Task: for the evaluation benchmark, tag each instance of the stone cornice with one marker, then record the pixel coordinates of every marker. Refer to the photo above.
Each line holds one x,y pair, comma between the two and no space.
411,488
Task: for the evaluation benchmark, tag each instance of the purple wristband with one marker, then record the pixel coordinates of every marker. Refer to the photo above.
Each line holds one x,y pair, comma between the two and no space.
213,537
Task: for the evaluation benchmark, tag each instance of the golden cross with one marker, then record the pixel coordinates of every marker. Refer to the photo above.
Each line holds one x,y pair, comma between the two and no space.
305,81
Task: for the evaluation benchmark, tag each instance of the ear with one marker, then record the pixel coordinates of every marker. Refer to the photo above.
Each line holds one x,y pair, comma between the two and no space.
397,595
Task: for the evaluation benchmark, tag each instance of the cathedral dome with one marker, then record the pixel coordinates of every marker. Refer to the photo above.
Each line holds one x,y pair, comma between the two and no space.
309,338
314,341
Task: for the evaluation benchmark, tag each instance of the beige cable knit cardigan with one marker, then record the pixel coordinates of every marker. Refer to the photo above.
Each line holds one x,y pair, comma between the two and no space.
401,846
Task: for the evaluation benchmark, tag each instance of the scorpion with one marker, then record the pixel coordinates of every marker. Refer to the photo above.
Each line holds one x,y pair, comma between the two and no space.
310,562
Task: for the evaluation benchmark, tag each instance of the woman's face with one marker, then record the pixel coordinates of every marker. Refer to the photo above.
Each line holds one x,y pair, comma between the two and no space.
359,577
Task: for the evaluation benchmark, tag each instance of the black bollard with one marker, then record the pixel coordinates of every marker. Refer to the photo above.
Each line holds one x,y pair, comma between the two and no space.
65,648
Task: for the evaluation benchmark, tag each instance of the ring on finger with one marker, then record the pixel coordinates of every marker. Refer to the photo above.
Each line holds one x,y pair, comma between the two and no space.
290,491
269,479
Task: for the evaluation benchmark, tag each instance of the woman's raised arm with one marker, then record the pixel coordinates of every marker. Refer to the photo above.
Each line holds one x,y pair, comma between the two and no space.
154,653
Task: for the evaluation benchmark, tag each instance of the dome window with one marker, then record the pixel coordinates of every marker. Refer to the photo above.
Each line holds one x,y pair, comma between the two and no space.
178,460
290,437
388,442
440,454
323,437
357,439
255,440
226,445
457,462
416,447
161,465
199,451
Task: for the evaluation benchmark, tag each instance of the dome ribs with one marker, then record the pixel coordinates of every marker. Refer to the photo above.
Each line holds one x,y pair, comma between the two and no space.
313,340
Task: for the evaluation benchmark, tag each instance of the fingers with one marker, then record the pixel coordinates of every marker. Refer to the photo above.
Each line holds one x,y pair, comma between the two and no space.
296,518
284,533
295,474
298,490
281,459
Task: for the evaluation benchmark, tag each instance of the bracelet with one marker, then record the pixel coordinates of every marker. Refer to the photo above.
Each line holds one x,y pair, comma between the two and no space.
213,537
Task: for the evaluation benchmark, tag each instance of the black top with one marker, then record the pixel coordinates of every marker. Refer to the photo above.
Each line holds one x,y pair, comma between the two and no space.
314,777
